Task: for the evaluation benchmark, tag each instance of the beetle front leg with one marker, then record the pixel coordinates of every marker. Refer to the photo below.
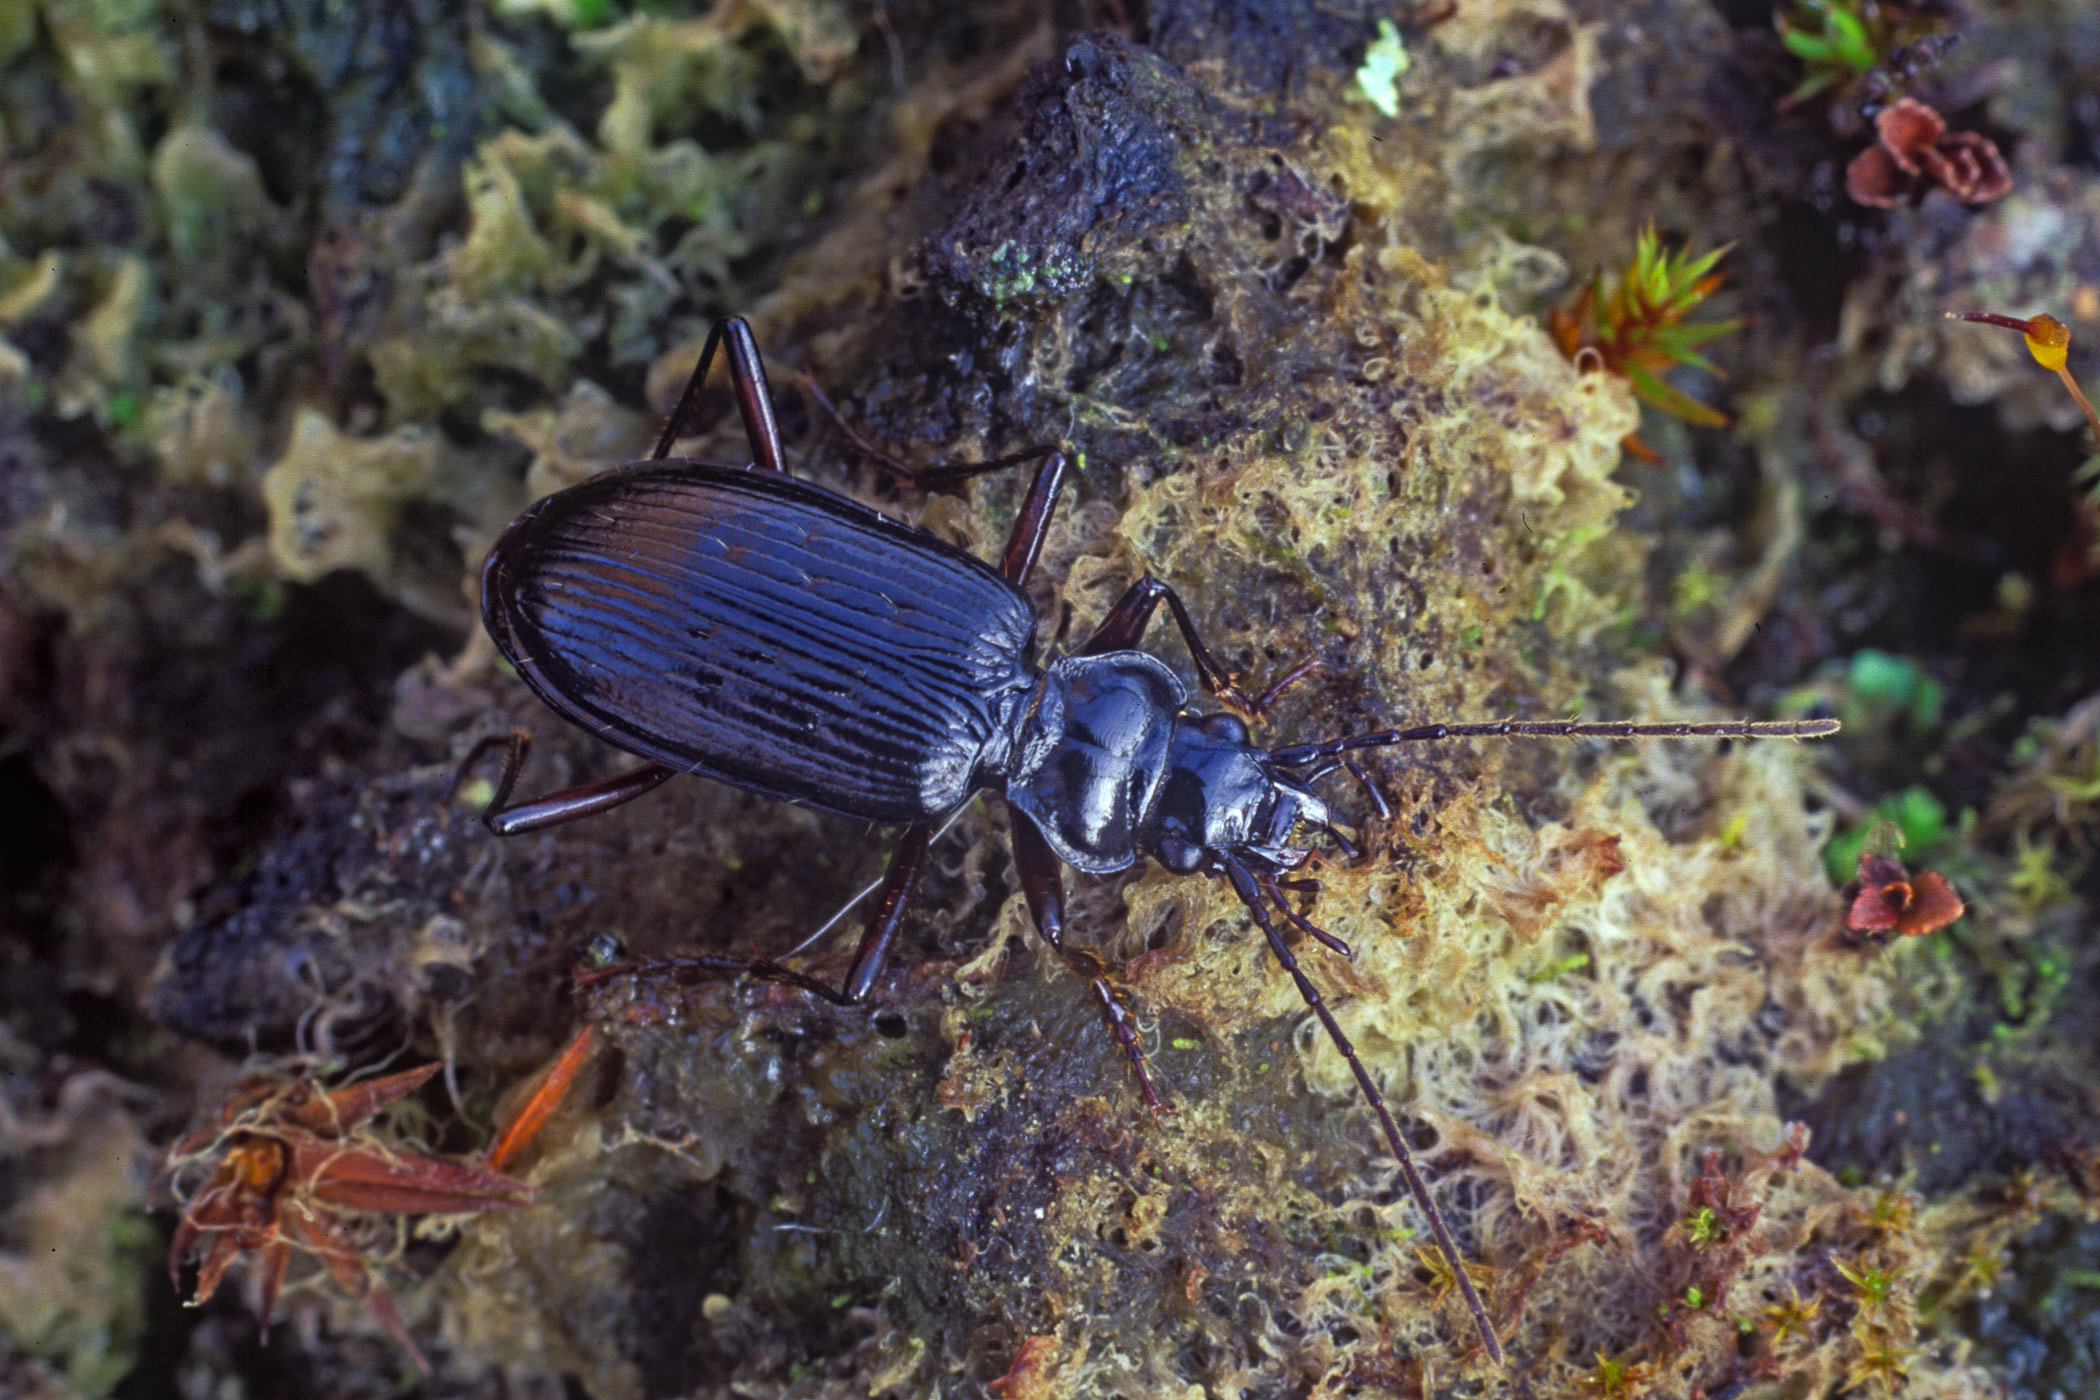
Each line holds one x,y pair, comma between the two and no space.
1125,625
1042,882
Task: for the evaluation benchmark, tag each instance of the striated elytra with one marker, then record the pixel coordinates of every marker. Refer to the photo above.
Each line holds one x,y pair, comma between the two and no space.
751,628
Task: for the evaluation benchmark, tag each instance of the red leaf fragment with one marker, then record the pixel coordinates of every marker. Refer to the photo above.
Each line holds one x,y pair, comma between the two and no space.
1972,169
1913,147
289,1160
1885,898
1907,130
1875,179
546,1096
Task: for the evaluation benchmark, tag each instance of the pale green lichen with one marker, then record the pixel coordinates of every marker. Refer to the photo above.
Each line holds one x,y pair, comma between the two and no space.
211,195
1378,77
334,499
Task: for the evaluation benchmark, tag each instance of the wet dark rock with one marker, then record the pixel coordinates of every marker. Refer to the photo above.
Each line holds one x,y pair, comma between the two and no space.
1094,184
333,932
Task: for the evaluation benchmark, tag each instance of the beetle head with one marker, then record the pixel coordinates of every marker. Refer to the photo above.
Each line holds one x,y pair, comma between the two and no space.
1220,801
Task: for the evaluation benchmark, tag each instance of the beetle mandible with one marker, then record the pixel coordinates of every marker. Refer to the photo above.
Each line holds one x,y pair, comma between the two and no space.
730,621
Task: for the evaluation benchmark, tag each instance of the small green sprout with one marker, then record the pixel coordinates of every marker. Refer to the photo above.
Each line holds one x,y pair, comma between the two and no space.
1913,821
1617,1380
264,598
1731,834
1553,971
1442,1279
1881,1366
1792,1317
1875,1285
1981,1267
1885,687
1840,42
1703,1227
2036,880
1634,326
1893,1212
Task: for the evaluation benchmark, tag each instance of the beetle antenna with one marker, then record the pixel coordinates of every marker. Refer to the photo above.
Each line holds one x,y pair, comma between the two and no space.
1307,754
1250,893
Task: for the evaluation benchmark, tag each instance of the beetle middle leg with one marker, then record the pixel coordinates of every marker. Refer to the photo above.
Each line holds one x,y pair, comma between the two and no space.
1040,872
1125,625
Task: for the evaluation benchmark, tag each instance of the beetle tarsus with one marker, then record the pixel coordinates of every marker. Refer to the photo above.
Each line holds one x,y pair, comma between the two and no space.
503,818
1261,704
1124,627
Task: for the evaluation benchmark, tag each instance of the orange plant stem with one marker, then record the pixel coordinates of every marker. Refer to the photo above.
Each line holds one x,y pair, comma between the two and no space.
532,1115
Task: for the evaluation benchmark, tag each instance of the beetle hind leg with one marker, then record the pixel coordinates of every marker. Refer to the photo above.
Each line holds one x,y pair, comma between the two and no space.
935,476
747,380
687,965
504,818
870,956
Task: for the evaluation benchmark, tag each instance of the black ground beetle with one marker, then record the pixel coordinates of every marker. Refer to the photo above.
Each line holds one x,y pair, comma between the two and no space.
730,621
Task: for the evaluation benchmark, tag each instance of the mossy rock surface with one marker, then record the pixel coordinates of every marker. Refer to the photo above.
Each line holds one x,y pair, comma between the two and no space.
299,304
